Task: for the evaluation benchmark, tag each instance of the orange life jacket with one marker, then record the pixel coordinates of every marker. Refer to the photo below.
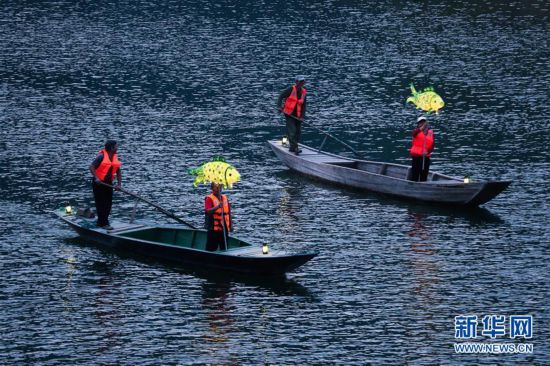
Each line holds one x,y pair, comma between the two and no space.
292,100
217,216
422,144
107,164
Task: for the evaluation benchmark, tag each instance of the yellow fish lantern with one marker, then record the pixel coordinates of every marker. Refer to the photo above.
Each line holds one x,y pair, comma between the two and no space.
427,100
217,171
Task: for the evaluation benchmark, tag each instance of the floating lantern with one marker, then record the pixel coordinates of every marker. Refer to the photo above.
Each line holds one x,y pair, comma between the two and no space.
265,249
467,179
285,141
68,210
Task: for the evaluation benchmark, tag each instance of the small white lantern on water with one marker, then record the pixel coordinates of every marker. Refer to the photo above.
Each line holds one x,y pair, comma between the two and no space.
467,179
265,248
68,210
285,141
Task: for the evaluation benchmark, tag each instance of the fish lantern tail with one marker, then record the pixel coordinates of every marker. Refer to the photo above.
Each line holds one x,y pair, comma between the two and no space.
198,172
414,97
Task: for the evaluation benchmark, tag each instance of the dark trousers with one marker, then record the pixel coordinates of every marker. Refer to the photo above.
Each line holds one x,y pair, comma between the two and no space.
214,239
294,130
103,197
419,174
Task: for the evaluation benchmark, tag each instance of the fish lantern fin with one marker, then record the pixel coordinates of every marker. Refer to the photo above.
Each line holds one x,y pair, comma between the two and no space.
413,90
218,158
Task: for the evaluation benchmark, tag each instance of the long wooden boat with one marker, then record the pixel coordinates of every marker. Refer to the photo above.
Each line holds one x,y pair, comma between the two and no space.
387,178
186,246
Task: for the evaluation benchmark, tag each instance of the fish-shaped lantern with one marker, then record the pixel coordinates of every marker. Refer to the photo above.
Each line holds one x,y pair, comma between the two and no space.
217,171
427,100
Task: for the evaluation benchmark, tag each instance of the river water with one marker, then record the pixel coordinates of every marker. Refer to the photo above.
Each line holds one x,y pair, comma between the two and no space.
178,82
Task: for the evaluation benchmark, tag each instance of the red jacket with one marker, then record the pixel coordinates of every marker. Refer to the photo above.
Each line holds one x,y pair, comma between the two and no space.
292,101
422,144
107,164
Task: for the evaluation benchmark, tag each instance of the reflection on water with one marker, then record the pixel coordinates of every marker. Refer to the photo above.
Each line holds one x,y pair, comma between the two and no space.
214,302
71,265
418,230
425,273
107,307
475,216
285,287
422,257
295,188
288,209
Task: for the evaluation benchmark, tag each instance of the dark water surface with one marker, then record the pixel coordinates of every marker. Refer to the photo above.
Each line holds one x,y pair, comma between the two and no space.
179,82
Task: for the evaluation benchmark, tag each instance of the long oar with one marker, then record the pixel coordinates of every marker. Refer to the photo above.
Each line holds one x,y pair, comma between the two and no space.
327,134
161,209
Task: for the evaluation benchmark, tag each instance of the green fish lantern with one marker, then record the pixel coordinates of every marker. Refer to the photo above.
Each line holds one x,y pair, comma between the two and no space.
427,100
217,171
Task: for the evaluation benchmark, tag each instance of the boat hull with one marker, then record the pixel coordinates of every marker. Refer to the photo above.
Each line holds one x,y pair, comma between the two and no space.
376,177
235,260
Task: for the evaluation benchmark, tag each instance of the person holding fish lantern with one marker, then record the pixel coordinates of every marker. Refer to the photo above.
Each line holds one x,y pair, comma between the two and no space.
423,138
217,210
421,150
218,220
294,110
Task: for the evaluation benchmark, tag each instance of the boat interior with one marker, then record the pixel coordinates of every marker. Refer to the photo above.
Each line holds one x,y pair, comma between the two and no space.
194,239
389,170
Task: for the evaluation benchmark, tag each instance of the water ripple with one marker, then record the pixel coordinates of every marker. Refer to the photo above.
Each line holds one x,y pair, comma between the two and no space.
178,82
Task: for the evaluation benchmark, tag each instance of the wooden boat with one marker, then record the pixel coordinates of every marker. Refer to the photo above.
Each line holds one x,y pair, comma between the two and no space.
187,247
387,178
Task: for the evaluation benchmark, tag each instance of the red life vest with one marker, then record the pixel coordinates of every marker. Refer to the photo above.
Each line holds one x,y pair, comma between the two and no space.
107,164
422,144
217,216
292,100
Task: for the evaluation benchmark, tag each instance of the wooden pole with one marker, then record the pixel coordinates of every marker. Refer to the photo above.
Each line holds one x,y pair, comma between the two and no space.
224,228
326,133
158,207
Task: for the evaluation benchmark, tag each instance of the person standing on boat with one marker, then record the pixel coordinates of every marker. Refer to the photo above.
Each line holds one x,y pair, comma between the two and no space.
421,150
218,218
104,168
294,110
